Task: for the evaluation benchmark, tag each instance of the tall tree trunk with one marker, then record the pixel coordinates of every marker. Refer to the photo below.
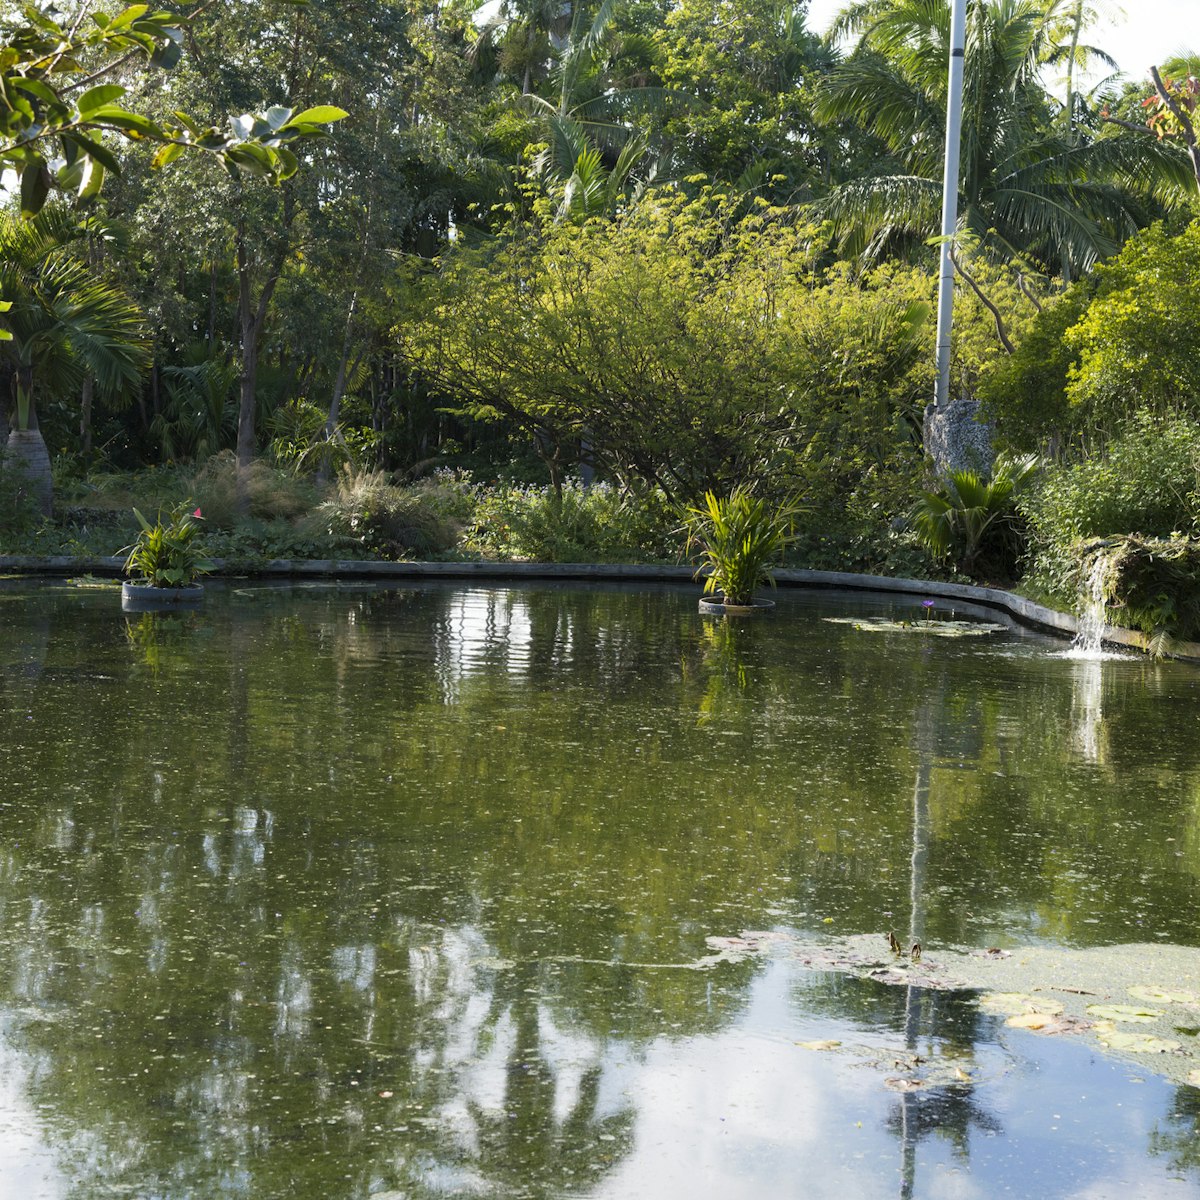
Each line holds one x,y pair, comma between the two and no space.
339,383
212,304
25,450
252,318
85,416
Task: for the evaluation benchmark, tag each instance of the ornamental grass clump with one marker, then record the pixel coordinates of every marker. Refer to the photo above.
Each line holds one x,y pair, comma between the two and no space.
170,555
738,538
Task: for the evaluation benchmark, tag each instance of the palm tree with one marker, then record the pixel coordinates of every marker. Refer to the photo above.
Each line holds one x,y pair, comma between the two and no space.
593,145
67,325
1060,193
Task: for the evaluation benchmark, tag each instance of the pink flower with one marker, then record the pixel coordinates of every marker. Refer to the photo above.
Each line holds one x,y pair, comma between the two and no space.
197,513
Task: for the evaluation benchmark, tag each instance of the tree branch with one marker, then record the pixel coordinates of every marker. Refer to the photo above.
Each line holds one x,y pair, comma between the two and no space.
1001,332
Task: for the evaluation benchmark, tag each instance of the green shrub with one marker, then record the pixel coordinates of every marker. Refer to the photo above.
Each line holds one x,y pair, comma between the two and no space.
270,493
596,524
19,512
1144,482
1024,394
384,519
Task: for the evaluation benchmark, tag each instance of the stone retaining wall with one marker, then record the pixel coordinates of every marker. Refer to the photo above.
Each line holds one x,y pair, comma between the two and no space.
1023,610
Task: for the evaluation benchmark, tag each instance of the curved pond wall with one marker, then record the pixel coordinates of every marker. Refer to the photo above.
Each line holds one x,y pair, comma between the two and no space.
1019,607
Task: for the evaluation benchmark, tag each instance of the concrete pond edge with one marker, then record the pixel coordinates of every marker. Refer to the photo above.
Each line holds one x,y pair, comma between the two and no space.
1023,610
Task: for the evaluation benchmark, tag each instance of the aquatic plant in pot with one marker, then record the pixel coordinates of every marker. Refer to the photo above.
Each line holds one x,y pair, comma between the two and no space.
165,560
738,538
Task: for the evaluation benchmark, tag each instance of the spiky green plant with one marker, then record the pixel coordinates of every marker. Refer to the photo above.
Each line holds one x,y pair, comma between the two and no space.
738,537
168,555
970,516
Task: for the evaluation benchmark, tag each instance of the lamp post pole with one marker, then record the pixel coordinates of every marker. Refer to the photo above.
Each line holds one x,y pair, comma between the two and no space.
954,92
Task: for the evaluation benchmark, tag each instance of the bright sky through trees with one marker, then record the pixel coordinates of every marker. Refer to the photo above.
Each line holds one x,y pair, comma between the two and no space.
1147,31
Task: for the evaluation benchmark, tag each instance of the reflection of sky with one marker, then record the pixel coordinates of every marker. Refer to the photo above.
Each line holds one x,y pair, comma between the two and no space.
750,1115
747,1113
27,1166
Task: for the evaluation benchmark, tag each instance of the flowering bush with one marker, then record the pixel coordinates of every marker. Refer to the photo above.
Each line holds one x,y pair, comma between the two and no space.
168,555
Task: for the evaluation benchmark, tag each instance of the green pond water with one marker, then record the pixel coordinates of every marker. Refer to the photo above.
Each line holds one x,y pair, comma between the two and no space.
338,892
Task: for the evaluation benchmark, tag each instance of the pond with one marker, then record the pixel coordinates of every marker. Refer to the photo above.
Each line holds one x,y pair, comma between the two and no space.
334,891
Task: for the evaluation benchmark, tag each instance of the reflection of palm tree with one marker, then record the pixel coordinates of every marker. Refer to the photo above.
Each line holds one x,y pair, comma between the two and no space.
527,1146
941,1017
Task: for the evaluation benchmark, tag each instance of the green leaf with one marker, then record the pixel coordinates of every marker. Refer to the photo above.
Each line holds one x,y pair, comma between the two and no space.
288,163
321,114
35,87
254,158
165,154
95,149
97,97
92,180
111,117
35,187
126,19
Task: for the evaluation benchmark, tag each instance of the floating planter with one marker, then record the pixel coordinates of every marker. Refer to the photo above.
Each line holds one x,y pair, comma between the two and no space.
722,608
737,538
145,597
167,557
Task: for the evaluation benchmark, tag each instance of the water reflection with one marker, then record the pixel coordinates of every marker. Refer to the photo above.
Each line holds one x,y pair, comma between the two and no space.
327,894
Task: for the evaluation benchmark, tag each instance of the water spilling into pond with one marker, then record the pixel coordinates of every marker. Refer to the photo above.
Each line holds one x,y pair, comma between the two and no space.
1088,642
335,892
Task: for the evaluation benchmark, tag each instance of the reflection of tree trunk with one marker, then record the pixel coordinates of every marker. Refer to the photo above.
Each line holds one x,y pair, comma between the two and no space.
916,932
919,859
908,1145
238,706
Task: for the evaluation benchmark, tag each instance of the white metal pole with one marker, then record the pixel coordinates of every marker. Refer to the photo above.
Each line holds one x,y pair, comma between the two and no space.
958,24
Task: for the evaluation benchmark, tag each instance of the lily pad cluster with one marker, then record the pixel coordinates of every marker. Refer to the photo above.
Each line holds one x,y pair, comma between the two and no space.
1099,993
932,628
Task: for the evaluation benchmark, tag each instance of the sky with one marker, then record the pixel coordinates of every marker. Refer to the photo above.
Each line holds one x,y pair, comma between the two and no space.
1146,32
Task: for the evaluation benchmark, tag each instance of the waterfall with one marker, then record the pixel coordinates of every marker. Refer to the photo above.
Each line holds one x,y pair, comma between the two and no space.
1089,640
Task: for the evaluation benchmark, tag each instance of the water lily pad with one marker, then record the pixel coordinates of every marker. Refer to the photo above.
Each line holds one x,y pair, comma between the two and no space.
897,1084
1123,1012
1137,1043
1018,1004
931,628
1049,1023
1157,995
1031,1020
88,581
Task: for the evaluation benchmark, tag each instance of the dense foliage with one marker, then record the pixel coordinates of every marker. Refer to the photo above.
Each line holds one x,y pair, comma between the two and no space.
663,247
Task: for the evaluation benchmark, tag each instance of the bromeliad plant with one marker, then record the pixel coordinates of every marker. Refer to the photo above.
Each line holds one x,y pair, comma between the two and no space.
738,537
168,556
